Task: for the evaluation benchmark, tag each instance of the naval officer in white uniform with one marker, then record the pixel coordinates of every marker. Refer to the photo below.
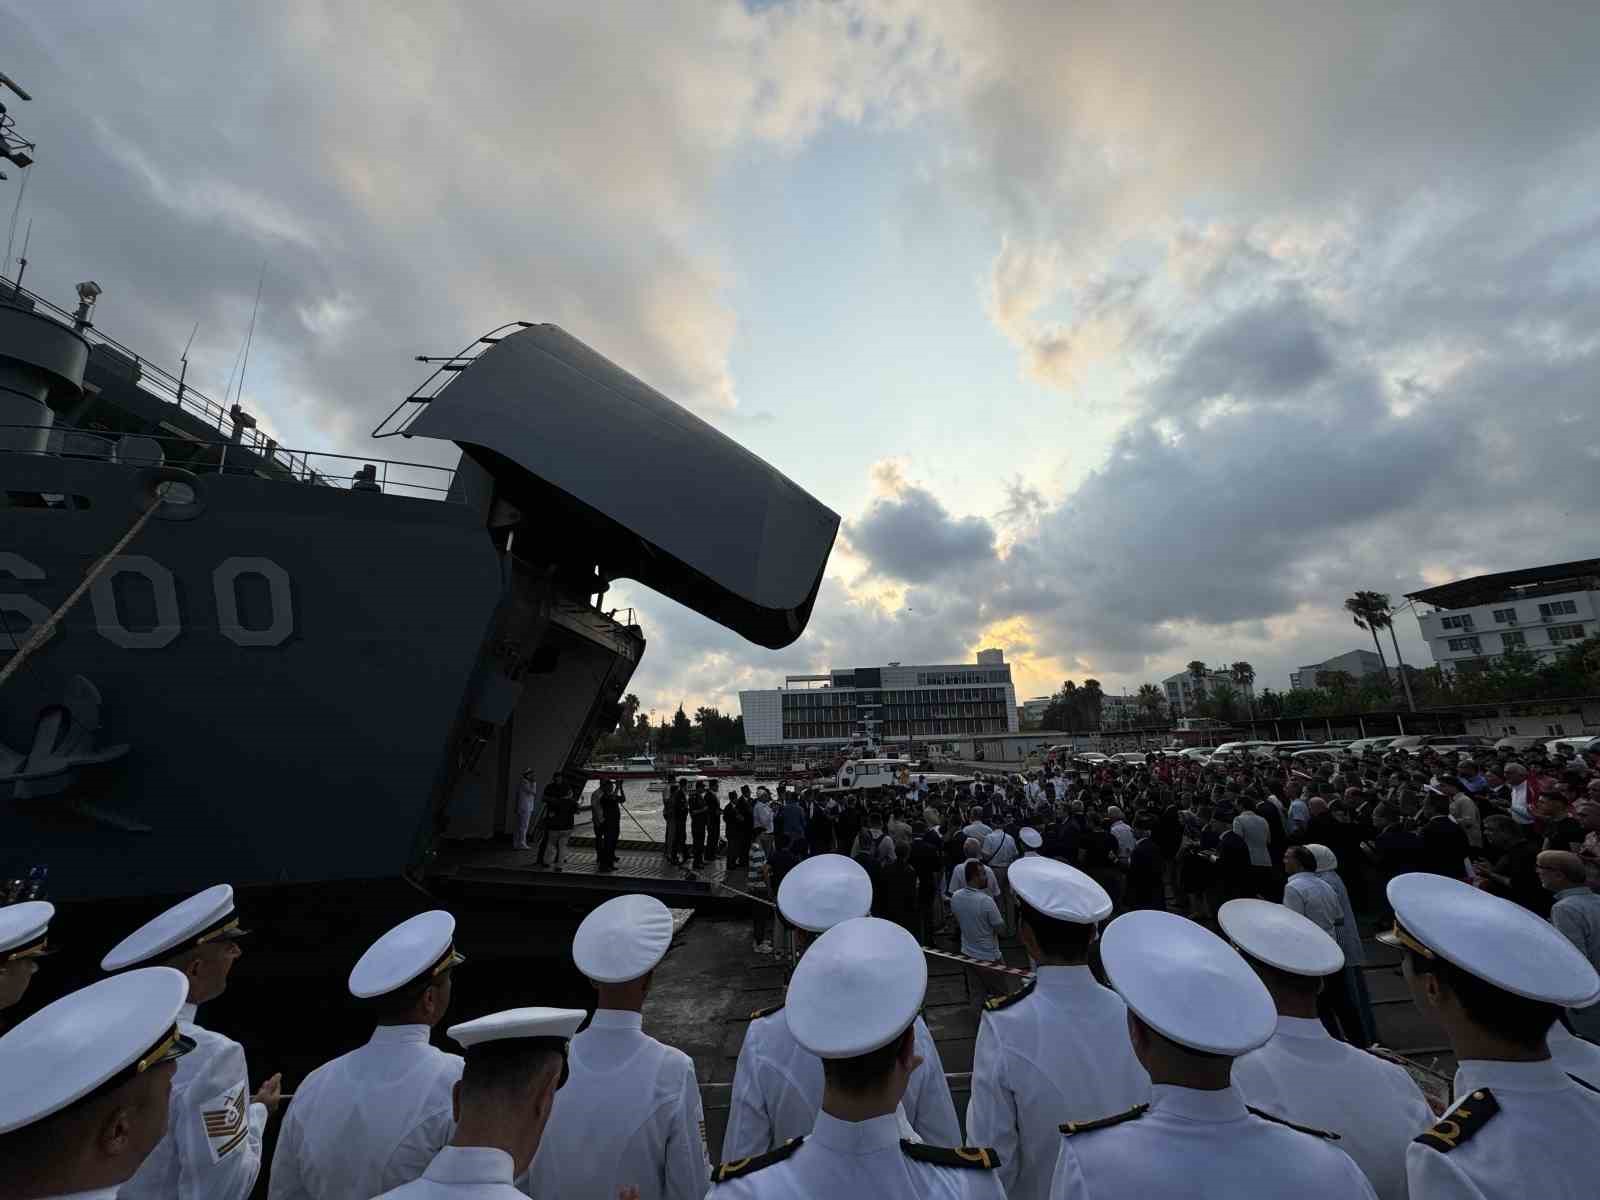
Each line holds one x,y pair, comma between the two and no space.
1576,1056
852,1003
24,940
374,1118
1304,1074
212,1150
85,1084
1194,1006
516,1063
1057,1050
1496,977
777,1084
630,1114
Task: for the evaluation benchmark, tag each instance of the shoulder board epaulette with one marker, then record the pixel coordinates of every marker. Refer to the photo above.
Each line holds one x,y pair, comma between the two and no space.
977,1158
1277,1120
766,1012
1461,1122
996,1003
1583,1083
740,1167
1133,1114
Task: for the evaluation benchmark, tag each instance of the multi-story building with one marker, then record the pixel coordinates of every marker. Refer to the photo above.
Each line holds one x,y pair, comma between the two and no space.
1033,710
1354,663
1471,622
893,703
1119,712
1184,691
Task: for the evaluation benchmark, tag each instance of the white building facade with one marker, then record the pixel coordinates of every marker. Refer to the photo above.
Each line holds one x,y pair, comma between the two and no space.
893,703
1184,691
1354,663
1541,610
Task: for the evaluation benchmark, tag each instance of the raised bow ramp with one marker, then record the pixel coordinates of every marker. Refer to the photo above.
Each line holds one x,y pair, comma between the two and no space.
654,493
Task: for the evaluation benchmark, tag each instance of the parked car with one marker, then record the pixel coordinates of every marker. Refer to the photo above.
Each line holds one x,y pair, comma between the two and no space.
1441,742
1091,757
1129,756
1521,741
1578,745
1364,745
1315,754
1229,749
1197,753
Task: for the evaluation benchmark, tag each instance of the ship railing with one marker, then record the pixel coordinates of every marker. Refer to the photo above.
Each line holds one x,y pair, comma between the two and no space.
445,369
320,468
151,378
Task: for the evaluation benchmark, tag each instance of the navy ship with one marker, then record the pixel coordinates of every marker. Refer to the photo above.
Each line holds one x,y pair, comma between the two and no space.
224,659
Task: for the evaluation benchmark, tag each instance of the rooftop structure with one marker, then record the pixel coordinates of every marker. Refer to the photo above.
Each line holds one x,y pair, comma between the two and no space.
1537,610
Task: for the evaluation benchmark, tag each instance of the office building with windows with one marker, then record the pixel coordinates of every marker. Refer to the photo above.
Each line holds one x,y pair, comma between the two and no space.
888,704
1184,691
1354,663
1541,610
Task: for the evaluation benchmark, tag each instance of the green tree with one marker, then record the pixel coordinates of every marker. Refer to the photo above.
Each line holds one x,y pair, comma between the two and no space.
1222,701
681,735
1150,700
1092,701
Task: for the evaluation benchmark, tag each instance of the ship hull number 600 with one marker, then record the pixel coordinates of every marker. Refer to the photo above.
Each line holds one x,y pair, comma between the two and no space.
169,621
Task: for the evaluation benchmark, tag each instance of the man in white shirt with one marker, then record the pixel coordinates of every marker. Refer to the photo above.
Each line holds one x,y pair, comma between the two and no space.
778,1084
958,874
515,1065
373,1119
85,1086
527,809
1306,894
1521,793
1299,814
212,1150
975,828
1303,1074
1123,832
854,1001
630,1112
997,852
1057,1050
1495,977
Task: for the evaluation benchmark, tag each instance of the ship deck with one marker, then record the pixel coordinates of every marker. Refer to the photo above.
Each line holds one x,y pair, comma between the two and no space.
641,868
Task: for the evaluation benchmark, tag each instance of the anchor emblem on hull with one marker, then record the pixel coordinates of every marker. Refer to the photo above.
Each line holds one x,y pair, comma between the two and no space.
65,738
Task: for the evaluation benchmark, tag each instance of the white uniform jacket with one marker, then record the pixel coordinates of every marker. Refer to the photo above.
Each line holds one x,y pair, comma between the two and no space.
1516,1129
1198,1145
628,1114
846,1160
1056,1053
212,1147
367,1121
777,1091
1306,1076
1575,1055
463,1173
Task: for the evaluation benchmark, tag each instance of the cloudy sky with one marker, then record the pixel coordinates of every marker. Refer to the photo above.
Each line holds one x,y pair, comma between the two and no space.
1119,335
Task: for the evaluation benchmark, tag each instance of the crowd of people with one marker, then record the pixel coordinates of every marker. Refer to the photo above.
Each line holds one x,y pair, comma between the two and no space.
1218,1050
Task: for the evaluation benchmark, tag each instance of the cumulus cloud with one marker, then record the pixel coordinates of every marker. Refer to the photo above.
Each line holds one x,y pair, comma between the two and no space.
911,536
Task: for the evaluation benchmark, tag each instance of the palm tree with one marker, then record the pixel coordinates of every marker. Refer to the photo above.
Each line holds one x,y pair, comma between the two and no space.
1369,610
1385,615
1243,674
1150,700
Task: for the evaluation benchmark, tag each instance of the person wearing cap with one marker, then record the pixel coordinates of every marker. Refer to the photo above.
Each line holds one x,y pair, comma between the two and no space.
1031,841
212,1148
1194,1007
1303,1074
516,1062
1057,1050
630,1113
374,1118
778,1083
853,1003
24,940
85,1086
1496,977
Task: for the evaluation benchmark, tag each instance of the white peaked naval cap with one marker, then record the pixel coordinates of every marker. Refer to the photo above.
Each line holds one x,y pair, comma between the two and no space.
1280,937
515,1023
107,1033
857,988
1500,942
421,945
205,917
1059,891
623,939
1031,838
1187,984
823,890
24,930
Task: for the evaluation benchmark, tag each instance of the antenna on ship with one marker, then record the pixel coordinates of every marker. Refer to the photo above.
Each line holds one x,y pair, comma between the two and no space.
183,359
15,149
